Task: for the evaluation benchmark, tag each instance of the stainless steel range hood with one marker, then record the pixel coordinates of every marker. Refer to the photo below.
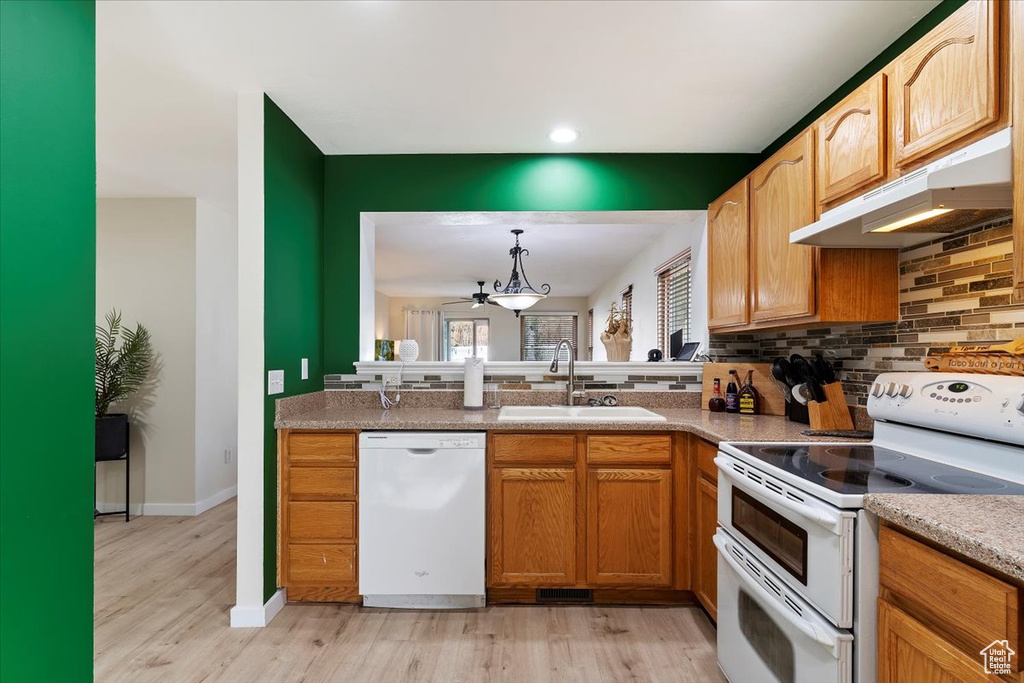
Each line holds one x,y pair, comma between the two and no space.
970,186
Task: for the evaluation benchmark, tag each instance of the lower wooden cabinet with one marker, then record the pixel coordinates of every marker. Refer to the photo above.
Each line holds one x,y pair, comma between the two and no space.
629,527
705,554
532,526
910,652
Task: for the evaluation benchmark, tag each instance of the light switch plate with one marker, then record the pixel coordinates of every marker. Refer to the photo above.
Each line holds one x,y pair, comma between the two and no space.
275,382
305,368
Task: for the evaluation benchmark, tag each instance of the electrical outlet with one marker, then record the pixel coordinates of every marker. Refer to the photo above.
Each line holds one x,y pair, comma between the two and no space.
275,382
305,368
227,456
389,379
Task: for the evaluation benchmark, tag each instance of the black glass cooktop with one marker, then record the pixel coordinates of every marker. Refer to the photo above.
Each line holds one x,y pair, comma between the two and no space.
860,469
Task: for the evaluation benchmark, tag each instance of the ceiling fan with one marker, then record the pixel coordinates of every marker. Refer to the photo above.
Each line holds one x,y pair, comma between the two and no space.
478,298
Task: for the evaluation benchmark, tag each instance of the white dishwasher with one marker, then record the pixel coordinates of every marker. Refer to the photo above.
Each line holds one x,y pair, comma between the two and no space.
421,519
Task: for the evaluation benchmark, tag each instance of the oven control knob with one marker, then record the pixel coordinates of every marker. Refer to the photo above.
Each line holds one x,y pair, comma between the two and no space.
877,389
1020,405
906,390
892,389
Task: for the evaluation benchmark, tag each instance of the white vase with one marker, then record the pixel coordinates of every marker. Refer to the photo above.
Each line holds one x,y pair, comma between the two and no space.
408,350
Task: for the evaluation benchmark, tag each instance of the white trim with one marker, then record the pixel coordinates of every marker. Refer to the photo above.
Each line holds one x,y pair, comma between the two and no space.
251,262
172,509
367,287
258,616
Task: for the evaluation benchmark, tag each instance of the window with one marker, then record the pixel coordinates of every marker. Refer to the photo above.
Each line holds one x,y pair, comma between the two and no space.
590,334
674,301
541,332
465,338
627,303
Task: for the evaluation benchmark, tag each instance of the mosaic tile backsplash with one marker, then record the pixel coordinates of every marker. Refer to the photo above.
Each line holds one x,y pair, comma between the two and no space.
954,290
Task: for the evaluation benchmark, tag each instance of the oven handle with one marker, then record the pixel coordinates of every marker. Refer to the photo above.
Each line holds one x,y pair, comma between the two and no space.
831,522
812,631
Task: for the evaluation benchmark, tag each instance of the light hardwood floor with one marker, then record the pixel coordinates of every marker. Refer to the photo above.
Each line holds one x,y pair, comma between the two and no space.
164,586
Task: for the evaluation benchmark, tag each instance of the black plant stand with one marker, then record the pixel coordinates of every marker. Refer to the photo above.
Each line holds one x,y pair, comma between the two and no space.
126,457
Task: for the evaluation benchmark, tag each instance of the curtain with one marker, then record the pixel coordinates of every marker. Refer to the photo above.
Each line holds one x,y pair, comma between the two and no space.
424,326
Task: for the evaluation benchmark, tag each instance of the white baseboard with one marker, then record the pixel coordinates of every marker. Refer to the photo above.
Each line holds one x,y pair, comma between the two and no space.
173,509
244,616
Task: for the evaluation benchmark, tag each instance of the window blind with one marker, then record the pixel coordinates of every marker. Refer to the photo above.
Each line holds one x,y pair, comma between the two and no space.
590,334
627,303
674,301
541,332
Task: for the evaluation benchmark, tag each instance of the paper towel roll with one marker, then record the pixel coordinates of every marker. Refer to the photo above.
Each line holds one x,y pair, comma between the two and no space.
473,383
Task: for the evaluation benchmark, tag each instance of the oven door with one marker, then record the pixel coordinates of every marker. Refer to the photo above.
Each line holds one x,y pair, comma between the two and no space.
766,632
805,541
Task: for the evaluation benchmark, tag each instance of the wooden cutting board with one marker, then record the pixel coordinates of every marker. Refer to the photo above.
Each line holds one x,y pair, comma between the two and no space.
772,400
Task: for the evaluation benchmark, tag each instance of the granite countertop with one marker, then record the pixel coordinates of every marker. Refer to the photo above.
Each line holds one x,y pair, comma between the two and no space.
711,426
988,529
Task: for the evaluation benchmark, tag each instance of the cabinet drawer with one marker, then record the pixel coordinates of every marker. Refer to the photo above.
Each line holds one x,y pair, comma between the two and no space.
321,449
973,608
541,449
629,450
323,564
321,522
321,483
706,452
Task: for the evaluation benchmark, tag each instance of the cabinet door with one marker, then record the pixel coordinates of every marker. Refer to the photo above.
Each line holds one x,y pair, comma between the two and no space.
947,84
851,142
629,527
781,201
533,526
706,579
910,652
729,258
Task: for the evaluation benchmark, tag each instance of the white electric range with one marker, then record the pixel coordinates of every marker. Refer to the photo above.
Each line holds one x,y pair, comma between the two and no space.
798,554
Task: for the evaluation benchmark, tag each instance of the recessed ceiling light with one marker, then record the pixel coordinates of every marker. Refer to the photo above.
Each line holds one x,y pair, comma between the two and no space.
564,134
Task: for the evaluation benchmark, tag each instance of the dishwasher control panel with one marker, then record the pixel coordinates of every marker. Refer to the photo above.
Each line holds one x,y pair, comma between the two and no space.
423,440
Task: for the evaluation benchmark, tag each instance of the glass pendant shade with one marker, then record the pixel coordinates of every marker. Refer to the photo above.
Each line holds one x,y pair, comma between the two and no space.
518,293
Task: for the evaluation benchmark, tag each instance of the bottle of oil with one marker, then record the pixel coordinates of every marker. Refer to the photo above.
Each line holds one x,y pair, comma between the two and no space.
732,404
749,399
716,404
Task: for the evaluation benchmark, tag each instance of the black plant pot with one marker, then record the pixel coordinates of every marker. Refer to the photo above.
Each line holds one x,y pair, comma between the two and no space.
111,436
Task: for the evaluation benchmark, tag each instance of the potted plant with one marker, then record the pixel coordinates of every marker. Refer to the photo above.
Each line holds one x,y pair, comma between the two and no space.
123,359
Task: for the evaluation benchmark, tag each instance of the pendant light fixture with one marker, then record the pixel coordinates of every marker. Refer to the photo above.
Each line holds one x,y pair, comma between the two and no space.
518,293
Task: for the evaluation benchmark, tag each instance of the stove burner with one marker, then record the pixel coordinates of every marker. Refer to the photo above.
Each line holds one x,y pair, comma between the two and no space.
863,453
862,477
966,481
780,450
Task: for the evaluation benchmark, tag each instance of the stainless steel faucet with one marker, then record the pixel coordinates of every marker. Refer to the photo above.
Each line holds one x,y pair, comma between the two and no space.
571,394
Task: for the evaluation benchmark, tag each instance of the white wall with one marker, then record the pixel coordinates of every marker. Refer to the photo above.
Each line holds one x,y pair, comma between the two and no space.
146,268
216,355
503,326
382,316
640,272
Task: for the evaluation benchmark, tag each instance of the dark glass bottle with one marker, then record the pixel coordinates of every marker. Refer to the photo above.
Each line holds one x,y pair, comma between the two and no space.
749,399
716,404
732,404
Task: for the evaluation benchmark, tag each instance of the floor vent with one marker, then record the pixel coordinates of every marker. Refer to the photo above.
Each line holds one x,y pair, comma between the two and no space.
565,595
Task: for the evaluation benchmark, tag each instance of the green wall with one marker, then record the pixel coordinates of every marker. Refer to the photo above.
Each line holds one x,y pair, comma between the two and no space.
494,182
927,23
47,312
293,300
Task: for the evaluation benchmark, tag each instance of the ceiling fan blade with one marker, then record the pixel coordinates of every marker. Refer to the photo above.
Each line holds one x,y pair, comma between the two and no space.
476,305
460,301
493,303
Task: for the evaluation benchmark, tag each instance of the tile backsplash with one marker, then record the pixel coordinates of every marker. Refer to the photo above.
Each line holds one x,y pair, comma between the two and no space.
953,290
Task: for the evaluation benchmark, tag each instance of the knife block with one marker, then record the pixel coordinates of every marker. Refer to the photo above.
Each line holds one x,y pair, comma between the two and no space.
833,413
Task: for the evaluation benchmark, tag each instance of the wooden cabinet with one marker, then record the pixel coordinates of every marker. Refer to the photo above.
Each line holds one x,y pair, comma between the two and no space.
705,554
937,613
851,142
1017,89
782,275
946,85
728,258
629,527
532,526
317,535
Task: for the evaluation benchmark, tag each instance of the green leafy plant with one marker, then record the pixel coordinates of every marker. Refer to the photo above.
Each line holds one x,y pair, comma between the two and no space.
123,359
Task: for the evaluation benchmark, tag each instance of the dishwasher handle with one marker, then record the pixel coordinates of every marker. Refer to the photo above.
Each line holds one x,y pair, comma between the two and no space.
421,452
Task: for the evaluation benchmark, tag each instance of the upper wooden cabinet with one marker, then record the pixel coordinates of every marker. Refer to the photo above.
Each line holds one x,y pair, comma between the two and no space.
781,201
533,526
947,84
629,527
728,258
851,142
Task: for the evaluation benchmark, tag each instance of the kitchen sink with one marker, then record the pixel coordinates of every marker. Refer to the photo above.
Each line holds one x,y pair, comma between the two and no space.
578,414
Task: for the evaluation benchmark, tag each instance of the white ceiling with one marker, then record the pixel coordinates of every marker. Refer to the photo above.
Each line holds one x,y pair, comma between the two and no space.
375,77
444,255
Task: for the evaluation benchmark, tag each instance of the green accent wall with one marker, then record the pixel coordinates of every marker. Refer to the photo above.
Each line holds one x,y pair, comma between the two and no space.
294,287
927,23
47,317
494,182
